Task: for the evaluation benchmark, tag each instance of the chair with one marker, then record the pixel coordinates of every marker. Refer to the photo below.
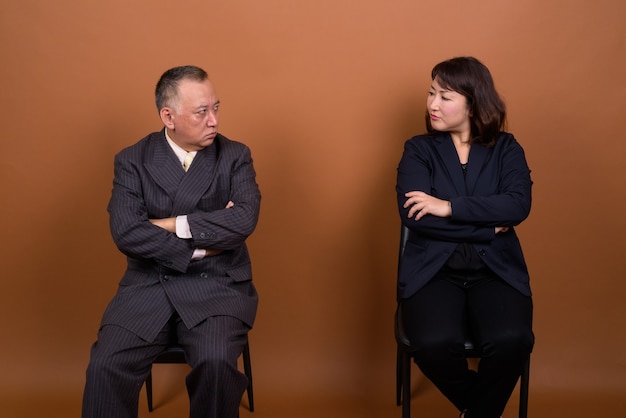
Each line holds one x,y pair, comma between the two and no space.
175,354
405,352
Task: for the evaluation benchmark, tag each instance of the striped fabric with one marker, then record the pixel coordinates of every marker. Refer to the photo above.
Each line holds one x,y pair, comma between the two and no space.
161,280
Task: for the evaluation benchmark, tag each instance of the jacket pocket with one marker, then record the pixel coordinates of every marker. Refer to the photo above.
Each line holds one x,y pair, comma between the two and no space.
240,273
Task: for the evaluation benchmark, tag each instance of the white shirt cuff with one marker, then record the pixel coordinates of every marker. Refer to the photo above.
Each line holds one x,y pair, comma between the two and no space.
183,231
198,254
182,227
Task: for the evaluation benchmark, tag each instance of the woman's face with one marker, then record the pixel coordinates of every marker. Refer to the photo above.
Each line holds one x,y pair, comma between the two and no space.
448,111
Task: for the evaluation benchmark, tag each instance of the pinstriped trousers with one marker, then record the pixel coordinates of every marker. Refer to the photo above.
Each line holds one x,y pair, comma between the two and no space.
120,363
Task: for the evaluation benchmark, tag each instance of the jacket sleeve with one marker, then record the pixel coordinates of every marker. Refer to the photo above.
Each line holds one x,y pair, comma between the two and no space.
227,229
131,229
510,204
414,173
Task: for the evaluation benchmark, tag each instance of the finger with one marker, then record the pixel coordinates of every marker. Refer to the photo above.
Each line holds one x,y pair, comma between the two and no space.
413,193
414,210
414,200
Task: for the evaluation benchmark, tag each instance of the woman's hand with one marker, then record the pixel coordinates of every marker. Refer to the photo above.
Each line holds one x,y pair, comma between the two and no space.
421,204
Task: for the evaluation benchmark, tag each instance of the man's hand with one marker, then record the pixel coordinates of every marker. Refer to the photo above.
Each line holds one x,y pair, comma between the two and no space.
169,224
422,204
501,229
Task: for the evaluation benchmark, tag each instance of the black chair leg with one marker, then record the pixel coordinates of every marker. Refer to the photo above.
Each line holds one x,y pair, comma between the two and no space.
149,390
247,365
406,385
248,372
523,397
398,377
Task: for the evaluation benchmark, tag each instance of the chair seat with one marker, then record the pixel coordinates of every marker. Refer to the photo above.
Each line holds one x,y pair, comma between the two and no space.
404,354
171,354
403,370
174,354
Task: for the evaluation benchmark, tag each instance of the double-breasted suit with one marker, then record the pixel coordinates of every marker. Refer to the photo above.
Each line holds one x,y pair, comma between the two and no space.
162,281
150,183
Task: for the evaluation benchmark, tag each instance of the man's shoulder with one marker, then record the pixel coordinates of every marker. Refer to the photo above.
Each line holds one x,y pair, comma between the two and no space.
226,144
225,141
146,142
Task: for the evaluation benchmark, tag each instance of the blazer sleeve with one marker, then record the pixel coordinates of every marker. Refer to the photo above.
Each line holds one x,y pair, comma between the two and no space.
227,229
509,204
414,173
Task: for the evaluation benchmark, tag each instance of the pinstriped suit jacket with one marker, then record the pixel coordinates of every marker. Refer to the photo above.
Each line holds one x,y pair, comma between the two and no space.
161,278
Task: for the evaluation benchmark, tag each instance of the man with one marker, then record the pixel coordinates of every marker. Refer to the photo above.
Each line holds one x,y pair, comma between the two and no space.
183,228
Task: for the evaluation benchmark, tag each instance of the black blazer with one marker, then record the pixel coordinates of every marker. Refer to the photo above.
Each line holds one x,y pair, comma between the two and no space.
161,278
495,191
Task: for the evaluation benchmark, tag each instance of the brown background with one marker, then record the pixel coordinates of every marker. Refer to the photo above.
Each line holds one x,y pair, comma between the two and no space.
325,93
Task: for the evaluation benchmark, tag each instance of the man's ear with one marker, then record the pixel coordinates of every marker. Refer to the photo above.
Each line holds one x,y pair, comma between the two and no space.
167,117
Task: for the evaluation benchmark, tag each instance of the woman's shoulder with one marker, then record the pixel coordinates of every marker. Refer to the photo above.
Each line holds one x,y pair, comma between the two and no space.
427,139
506,140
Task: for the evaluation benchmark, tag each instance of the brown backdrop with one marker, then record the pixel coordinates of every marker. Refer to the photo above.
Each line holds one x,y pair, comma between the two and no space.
324,92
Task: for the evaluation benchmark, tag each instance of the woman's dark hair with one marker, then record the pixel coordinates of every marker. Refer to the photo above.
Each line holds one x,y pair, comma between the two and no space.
166,90
470,78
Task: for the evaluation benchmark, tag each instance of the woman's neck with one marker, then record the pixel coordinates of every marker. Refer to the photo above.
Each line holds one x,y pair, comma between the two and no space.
462,145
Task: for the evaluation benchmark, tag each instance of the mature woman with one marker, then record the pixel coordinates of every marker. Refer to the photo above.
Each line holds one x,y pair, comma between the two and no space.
462,188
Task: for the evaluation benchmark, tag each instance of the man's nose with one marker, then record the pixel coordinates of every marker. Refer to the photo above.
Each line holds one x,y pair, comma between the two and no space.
212,119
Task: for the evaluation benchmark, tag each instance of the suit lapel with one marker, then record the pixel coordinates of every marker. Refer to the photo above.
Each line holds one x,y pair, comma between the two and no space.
450,159
197,180
477,158
463,184
184,189
163,166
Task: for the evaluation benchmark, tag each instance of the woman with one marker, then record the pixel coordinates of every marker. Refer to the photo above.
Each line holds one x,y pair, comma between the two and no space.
462,188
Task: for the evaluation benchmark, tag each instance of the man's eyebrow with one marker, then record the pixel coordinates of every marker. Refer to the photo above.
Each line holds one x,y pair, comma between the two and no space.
204,106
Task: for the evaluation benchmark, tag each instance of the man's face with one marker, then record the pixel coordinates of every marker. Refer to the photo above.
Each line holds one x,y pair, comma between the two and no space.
193,117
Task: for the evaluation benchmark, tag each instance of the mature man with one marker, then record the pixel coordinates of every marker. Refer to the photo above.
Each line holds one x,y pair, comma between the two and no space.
184,201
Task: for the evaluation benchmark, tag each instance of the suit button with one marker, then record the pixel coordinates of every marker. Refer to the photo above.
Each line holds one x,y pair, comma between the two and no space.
482,252
203,275
202,235
166,278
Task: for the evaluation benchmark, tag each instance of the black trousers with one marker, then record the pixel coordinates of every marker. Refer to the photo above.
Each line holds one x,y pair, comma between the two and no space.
120,362
437,319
